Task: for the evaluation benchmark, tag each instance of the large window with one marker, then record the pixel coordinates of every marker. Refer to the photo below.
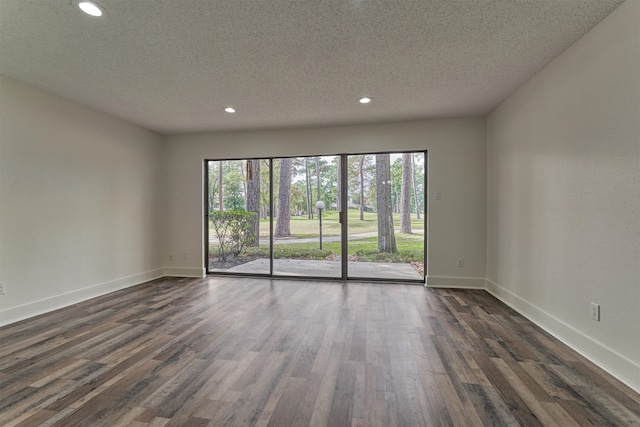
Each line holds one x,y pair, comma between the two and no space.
344,216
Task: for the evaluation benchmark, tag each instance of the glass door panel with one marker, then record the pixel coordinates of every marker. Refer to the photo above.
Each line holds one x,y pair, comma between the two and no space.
238,194
385,214
307,236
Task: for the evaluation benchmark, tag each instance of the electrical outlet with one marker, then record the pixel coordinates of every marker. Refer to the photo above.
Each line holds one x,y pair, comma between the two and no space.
2,288
170,257
184,256
460,262
438,195
595,311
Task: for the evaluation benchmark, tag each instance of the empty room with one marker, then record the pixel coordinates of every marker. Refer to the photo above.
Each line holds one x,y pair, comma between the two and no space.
323,213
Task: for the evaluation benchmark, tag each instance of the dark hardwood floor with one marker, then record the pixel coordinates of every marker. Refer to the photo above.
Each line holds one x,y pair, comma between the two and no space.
240,352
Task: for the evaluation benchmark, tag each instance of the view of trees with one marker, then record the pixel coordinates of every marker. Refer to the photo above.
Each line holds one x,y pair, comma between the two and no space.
386,234
232,193
253,196
405,196
384,184
283,210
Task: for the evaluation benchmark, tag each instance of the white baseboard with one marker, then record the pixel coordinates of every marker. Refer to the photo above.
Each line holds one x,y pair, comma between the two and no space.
35,308
622,368
185,272
455,282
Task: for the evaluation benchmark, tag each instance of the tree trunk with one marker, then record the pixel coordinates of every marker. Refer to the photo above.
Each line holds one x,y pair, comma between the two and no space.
308,184
386,235
361,171
339,192
415,191
220,200
283,225
243,172
395,201
212,187
318,178
405,194
253,196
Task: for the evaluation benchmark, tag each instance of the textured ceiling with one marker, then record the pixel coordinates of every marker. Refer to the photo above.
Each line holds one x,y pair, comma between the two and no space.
172,65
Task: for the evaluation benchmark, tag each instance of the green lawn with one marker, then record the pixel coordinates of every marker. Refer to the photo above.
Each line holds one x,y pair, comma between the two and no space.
410,246
305,227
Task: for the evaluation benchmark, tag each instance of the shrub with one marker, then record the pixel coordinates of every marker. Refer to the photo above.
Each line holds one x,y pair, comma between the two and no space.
235,231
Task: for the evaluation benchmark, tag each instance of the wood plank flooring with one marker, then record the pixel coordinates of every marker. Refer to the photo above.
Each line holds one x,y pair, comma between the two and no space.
260,352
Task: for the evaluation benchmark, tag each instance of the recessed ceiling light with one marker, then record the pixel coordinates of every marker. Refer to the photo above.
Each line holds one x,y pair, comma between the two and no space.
365,100
89,7
230,110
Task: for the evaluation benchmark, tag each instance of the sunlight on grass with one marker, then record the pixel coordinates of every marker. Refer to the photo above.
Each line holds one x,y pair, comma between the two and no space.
305,227
410,246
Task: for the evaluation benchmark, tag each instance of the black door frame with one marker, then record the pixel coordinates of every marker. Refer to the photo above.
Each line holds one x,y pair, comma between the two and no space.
343,216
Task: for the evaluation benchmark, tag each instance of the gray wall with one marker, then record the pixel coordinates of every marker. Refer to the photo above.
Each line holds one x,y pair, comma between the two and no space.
81,202
564,195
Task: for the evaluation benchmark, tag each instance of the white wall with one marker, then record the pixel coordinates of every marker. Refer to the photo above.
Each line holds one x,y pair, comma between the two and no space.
457,169
81,202
563,225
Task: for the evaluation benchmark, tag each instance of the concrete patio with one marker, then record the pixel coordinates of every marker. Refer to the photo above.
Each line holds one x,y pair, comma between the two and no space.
298,267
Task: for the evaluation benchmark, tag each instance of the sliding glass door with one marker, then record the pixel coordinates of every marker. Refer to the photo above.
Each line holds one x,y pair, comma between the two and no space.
386,222
238,195
307,238
337,217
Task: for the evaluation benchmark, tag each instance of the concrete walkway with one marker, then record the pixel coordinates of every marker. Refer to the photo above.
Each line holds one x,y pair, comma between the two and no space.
289,240
300,267
292,240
